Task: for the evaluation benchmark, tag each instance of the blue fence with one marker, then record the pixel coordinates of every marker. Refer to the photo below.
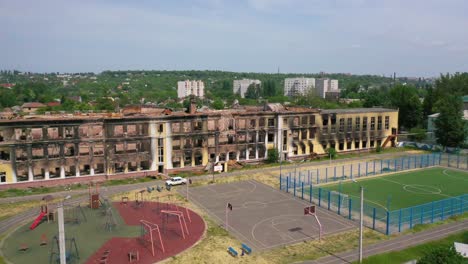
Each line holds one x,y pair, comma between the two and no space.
454,161
376,216
363,169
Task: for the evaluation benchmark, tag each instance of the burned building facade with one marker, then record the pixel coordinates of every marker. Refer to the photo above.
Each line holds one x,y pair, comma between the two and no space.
140,141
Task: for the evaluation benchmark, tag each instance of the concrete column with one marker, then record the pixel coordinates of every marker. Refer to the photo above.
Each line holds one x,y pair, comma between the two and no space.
62,171
46,174
247,153
154,147
167,146
237,155
126,167
91,170
13,163
30,174
77,169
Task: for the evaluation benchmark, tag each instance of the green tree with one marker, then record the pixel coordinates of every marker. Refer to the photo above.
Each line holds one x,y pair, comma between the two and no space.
269,88
442,255
273,156
406,99
218,104
428,102
419,134
374,97
450,128
331,152
253,91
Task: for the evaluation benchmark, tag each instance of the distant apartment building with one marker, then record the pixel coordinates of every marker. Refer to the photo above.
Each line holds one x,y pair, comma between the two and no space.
241,86
188,87
298,86
326,85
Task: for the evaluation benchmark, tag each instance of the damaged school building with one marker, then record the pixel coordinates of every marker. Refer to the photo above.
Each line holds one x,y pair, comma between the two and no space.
52,149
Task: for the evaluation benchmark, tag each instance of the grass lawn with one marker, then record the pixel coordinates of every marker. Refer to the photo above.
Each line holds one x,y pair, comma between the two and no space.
12,192
408,188
417,251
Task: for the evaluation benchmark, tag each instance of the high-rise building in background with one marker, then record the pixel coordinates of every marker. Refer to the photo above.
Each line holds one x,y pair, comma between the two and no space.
326,85
188,87
241,86
298,86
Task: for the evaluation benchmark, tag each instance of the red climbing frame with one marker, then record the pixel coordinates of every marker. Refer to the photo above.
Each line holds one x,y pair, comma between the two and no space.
181,218
150,227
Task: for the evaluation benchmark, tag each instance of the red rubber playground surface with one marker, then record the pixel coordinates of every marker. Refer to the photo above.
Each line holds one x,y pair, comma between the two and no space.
171,234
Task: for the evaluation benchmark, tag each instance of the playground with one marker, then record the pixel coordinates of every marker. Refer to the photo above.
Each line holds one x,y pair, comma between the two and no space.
138,229
262,217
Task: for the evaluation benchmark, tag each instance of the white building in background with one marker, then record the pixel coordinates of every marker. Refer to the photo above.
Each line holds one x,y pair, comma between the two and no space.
240,86
186,88
326,85
298,86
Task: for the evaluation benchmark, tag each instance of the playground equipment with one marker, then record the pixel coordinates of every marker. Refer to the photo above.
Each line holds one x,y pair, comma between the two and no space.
94,201
75,215
45,212
140,198
181,219
147,235
310,210
71,251
161,205
110,220
43,240
124,200
104,205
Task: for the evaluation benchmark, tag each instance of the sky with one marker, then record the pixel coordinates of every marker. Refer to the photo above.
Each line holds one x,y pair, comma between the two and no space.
410,37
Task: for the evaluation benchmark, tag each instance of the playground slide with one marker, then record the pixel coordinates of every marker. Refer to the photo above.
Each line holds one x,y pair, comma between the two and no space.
38,220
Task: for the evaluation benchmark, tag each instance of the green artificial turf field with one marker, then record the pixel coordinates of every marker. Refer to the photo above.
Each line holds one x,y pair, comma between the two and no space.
406,189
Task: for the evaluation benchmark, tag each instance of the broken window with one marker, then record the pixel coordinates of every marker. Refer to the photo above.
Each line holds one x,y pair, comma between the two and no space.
341,124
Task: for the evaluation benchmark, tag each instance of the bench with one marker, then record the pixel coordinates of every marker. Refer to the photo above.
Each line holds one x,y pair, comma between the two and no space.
232,251
246,249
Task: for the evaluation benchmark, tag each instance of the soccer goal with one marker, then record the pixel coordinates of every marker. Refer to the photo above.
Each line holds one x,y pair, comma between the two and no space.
341,199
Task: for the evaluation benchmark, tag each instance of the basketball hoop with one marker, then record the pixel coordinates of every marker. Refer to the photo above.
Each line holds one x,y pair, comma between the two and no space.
310,210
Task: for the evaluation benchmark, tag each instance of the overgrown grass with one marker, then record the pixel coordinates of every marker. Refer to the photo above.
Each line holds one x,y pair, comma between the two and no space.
417,251
419,228
11,209
44,190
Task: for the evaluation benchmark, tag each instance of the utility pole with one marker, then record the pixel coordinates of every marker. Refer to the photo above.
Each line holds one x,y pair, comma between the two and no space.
361,219
61,227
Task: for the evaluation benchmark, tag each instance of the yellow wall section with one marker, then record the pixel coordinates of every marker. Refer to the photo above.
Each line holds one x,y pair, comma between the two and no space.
6,168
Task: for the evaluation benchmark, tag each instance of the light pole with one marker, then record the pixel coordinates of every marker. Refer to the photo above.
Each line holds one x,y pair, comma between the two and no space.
361,220
61,227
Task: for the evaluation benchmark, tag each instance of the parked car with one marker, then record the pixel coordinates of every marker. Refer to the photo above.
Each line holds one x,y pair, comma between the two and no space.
176,181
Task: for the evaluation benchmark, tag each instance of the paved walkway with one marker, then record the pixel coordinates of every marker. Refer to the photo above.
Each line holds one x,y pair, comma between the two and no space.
396,244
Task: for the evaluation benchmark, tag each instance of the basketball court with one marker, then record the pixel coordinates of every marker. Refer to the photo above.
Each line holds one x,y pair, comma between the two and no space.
263,217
